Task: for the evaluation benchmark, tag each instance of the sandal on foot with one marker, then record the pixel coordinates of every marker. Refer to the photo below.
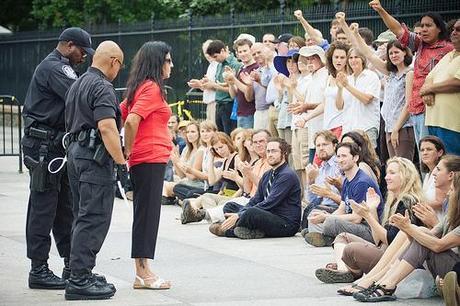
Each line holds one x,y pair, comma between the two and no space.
376,293
145,283
449,289
329,276
350,290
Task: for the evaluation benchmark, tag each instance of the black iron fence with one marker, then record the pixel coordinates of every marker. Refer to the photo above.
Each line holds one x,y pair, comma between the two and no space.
11,128
21,52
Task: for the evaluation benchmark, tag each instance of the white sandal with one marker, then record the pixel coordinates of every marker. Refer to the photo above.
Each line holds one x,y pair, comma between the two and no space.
141,283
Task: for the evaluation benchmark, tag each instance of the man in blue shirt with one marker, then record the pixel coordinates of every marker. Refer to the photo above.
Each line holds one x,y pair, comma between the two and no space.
320,191
323,227
275,209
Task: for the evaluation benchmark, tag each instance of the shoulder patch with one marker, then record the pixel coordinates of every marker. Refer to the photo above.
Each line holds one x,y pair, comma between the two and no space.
69,72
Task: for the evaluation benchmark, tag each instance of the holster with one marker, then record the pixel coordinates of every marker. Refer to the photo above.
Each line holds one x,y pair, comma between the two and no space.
38,170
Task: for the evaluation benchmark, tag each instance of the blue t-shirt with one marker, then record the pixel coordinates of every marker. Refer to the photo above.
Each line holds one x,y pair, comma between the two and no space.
356,190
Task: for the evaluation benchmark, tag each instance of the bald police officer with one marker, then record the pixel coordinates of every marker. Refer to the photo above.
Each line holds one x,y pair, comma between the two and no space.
93,119
50,206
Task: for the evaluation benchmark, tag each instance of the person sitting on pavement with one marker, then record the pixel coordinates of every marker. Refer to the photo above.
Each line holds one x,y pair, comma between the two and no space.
437,247
443,174
275,209
193,210
321,191
323,227
354,255
213,206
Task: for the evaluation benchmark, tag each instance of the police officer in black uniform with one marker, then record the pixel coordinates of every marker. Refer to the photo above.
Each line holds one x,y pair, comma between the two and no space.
95,158
50,206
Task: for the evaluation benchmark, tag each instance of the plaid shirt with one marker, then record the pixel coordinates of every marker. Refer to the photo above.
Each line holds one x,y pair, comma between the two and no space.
426,58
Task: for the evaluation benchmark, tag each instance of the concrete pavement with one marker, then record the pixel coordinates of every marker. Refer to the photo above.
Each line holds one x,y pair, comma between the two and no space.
205,270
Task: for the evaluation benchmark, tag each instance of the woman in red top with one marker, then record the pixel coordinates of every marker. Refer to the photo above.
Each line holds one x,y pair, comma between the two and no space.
148,146
430,47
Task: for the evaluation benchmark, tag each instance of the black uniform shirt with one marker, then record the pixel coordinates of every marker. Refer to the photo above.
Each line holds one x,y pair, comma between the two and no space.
45,99
90,99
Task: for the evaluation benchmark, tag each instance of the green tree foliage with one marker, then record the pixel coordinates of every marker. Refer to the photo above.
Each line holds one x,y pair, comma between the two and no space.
59,13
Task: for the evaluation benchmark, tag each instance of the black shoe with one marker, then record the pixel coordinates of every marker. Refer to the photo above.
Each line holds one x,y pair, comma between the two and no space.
169,201
87,287
101,279
41,277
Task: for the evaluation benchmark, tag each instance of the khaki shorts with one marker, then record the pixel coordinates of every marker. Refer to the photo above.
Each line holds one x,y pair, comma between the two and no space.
300,150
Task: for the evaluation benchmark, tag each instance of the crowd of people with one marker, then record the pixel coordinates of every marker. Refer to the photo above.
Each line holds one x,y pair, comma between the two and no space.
354,142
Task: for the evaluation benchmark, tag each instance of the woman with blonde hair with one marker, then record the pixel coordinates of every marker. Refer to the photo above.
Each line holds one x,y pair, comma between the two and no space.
185,162
434,247
355,255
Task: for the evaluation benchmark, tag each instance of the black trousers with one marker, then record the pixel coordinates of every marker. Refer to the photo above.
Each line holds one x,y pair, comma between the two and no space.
256,218
223,121
49,210
147,180
93,192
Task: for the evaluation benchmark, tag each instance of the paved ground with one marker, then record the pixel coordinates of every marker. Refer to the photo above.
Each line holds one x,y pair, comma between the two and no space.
205,270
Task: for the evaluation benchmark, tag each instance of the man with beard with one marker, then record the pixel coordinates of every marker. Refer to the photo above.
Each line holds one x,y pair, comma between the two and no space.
323,227
275,210
321,190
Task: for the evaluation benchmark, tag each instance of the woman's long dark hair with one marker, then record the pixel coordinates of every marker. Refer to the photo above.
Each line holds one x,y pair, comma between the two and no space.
440,24
147,65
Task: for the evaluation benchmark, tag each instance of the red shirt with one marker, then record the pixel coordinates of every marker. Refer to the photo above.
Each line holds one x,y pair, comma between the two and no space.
152,143
426,58
245,107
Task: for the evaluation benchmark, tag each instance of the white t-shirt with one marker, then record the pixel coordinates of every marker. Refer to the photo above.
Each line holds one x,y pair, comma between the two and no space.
315,94
359,115
332,116
302,84
208,94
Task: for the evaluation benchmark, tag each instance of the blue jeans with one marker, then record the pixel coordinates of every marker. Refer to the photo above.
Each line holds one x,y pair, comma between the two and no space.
420,129
246,122
451,139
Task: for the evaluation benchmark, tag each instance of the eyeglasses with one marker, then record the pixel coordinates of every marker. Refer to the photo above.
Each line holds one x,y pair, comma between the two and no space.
122,66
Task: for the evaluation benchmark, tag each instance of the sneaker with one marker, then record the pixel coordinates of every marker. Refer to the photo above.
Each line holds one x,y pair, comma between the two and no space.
189,214
216,229
318,239
41,277
246,233
450,289
304,232
330,276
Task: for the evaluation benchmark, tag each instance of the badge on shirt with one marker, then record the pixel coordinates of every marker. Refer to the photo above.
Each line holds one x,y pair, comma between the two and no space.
69,72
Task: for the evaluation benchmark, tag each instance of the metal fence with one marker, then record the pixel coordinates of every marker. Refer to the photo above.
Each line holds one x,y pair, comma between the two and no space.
21,52
10,128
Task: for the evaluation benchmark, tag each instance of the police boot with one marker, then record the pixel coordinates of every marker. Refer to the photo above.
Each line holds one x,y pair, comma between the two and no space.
41,277
66,269
101,279
87,287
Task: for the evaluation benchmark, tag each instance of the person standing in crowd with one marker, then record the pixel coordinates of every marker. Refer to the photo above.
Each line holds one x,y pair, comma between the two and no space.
209,95
313,36
398,128
441,94
361,90
93,121
148,146
50,200
240,84
336,61
224,102
430,47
